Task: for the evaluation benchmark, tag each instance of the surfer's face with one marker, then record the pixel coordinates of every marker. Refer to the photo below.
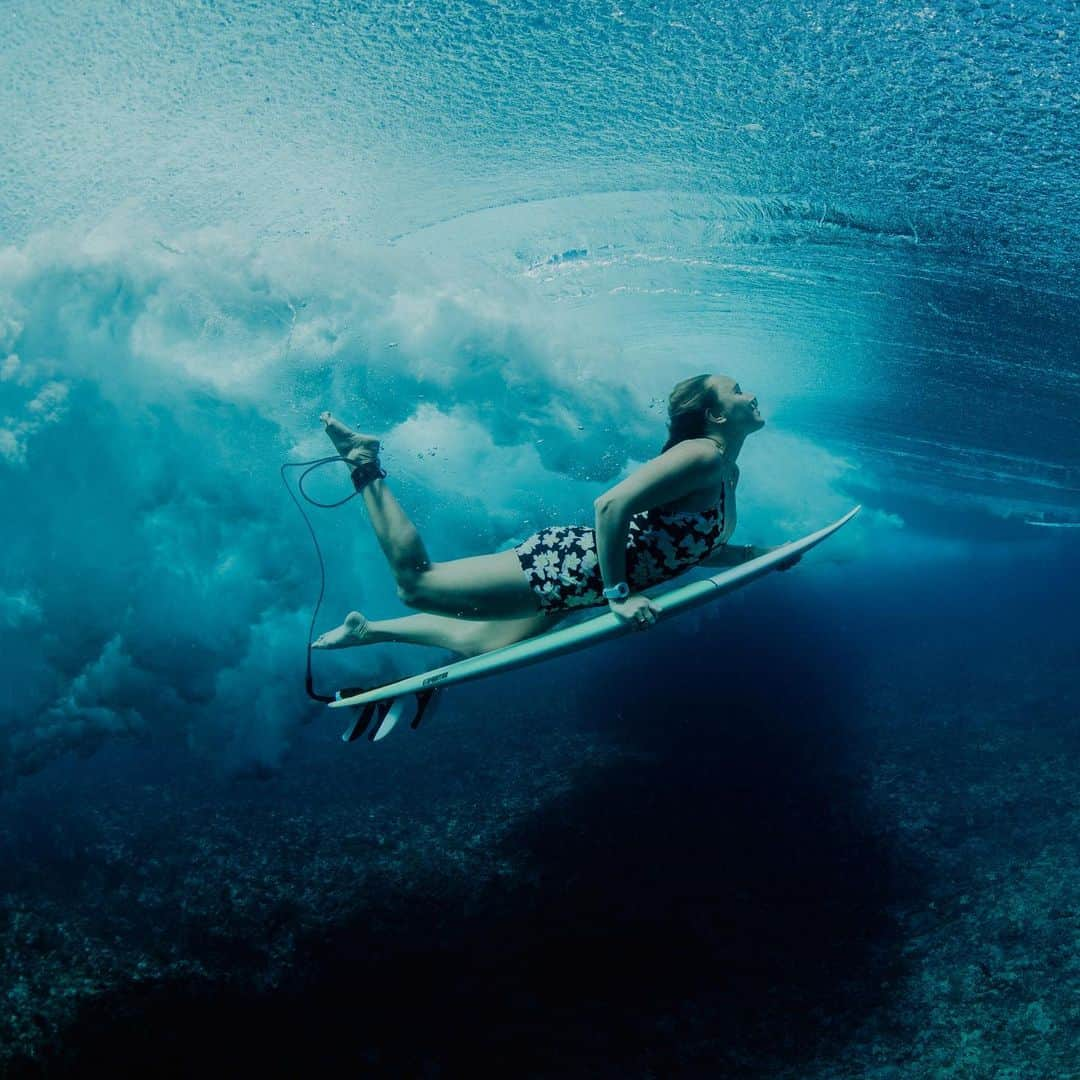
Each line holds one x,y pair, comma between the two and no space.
738,407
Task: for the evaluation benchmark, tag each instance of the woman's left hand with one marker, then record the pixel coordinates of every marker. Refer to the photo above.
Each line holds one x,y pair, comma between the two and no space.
638,609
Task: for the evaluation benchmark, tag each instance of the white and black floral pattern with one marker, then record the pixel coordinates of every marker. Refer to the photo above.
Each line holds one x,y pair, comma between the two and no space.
563,568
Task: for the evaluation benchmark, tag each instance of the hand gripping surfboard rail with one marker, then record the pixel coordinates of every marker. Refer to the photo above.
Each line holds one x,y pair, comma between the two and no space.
390,703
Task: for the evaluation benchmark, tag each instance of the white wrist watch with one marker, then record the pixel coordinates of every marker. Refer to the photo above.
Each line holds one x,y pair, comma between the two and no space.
617,592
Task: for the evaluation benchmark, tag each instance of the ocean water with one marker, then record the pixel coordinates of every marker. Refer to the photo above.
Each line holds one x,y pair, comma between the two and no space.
825,827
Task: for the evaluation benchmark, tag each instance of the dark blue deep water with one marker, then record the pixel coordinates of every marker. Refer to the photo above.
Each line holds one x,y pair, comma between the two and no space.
824,827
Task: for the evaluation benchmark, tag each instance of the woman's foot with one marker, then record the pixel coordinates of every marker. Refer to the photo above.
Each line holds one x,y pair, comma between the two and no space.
359,452
355,448
353,631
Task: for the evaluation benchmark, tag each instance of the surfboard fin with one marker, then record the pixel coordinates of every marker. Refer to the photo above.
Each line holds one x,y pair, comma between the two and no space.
390,712
423,700
362,715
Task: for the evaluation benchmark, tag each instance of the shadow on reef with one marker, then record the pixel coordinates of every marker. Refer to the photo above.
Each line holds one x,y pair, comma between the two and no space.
711,903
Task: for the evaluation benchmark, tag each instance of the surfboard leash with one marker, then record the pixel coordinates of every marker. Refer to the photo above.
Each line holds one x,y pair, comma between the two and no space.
311,466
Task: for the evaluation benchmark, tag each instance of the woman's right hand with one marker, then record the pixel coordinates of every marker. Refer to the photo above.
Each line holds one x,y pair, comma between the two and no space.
637,609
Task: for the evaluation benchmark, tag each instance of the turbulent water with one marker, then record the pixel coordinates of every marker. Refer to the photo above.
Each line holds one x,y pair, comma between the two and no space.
823,828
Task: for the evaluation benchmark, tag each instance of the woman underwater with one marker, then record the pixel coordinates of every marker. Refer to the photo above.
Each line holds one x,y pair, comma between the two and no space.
675,512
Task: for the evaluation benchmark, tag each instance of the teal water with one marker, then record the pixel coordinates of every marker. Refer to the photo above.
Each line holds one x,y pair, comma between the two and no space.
497,233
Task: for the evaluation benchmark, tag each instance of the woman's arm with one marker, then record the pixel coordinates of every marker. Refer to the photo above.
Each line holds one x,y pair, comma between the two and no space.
612,529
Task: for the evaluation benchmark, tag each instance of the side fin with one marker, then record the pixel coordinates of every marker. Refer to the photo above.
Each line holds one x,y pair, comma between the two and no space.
423,700
390,716
380,711
361,719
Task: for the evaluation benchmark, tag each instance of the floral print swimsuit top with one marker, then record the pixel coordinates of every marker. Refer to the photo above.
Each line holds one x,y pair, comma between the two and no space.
563,568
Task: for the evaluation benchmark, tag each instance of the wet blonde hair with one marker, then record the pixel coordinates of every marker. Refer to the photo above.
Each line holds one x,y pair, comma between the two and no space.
687,405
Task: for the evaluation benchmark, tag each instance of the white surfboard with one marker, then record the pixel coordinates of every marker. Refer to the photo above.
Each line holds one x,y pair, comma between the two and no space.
393,701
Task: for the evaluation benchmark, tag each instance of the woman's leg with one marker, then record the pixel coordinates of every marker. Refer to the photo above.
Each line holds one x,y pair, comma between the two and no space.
397,535
481,587
465,636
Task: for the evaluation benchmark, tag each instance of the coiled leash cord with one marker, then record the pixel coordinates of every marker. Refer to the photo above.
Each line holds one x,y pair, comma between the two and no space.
311,466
